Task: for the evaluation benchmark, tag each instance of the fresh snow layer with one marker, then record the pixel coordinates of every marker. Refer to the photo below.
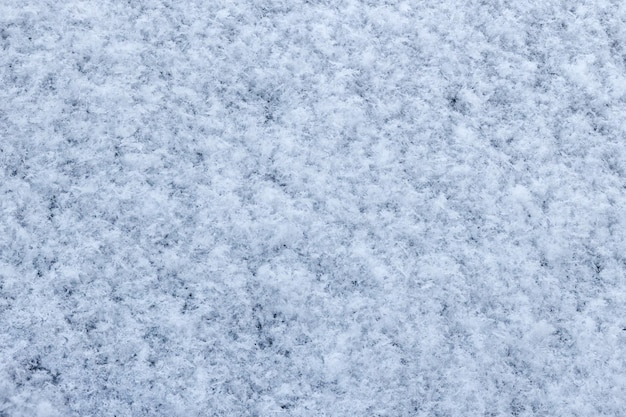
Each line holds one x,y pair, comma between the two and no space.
312,208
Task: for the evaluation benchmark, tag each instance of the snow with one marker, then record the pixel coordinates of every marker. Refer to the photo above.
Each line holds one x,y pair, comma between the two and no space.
267,208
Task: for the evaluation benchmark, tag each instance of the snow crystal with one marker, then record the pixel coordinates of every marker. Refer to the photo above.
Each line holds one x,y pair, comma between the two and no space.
312,208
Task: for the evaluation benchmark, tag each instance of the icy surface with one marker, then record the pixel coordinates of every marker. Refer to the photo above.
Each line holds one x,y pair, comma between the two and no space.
305,208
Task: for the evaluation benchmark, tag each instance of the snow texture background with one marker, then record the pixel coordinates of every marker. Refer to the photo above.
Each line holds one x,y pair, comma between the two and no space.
312,208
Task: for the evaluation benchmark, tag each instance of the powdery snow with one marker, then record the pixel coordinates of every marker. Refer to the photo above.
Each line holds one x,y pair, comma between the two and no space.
312,208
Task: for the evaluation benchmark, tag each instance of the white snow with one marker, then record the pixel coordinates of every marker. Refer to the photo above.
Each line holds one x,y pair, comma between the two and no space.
312,208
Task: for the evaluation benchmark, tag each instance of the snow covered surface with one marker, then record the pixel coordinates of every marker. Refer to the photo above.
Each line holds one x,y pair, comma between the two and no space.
309,208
